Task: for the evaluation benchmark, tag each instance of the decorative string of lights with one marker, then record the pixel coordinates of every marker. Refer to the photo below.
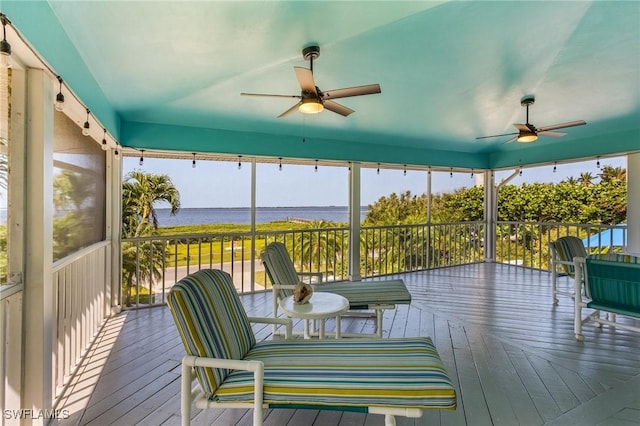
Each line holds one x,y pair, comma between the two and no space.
316,167
239,162
378,169
86,129
193,162
105,146
280,163
5,64
471,173
59,96
141,162
451,172
555,166
5,47
598,162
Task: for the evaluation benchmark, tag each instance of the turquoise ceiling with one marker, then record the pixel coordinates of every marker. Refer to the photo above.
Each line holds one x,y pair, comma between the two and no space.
168,75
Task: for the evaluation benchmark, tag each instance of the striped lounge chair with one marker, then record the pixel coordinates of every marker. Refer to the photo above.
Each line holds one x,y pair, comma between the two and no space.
563,251
400,376
370,298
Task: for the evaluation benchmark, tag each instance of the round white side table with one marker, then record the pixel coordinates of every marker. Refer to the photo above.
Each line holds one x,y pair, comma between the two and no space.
320,306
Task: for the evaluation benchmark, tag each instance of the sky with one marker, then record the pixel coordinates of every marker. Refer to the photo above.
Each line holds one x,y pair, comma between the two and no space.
222,184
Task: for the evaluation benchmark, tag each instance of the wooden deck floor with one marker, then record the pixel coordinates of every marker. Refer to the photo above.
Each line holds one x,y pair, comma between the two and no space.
511,354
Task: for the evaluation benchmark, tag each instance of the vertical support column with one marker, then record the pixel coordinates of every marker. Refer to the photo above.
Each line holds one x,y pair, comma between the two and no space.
354,222
38,299
11,313
114,231
633,203
490,216
253,223
429,184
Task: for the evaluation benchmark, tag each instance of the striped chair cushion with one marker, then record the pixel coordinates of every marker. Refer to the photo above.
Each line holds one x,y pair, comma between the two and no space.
211,321
346,373
279,267
567,248
361,295
616,257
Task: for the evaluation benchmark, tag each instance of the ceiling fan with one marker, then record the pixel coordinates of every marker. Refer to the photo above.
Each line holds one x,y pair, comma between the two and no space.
529,133
312,99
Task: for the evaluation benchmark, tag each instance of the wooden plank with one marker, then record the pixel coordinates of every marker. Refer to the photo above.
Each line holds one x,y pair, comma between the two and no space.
544,402
471,391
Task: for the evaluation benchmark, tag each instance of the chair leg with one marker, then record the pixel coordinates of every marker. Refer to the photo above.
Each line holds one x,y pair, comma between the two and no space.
379,313
185,394
389,420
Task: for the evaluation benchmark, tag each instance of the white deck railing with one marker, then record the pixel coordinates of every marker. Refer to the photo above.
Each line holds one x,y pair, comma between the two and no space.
79,285
384,250
525,243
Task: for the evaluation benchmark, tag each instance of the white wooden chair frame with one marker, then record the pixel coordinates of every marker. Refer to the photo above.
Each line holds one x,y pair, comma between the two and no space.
191,395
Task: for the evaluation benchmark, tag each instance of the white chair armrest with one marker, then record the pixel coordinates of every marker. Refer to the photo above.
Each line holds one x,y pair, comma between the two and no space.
257,367
311,274
280,321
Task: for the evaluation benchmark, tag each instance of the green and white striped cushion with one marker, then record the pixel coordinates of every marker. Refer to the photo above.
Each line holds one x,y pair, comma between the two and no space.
363,294
211,321
567,248
279,267
616,257
346,373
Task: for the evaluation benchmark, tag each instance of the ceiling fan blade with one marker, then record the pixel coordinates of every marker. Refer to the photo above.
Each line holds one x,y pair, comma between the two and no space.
522,127
290,110
552,134
562,125
496,136
269,95
512,139
337,108
369,89
305,78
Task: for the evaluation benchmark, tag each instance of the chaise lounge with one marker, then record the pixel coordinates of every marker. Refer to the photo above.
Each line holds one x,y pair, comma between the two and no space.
399,376
370,298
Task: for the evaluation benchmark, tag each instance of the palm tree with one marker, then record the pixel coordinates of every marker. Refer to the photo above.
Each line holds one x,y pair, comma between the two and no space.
586,178
613,174
141,193
319,248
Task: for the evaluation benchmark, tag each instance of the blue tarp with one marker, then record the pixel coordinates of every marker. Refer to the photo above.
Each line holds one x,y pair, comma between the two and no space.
616,237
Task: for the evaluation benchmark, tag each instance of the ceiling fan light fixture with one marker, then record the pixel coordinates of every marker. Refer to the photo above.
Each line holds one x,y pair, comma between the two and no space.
527,137
310,106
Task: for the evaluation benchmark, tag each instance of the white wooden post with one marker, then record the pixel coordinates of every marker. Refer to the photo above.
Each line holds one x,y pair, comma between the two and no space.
354,222
38,299
490,215
114,231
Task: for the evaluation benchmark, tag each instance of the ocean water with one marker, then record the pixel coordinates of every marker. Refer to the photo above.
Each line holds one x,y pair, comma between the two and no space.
242,215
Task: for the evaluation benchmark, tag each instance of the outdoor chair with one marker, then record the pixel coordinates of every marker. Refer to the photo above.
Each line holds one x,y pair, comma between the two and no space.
563,252
370,298
393,377
608,283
